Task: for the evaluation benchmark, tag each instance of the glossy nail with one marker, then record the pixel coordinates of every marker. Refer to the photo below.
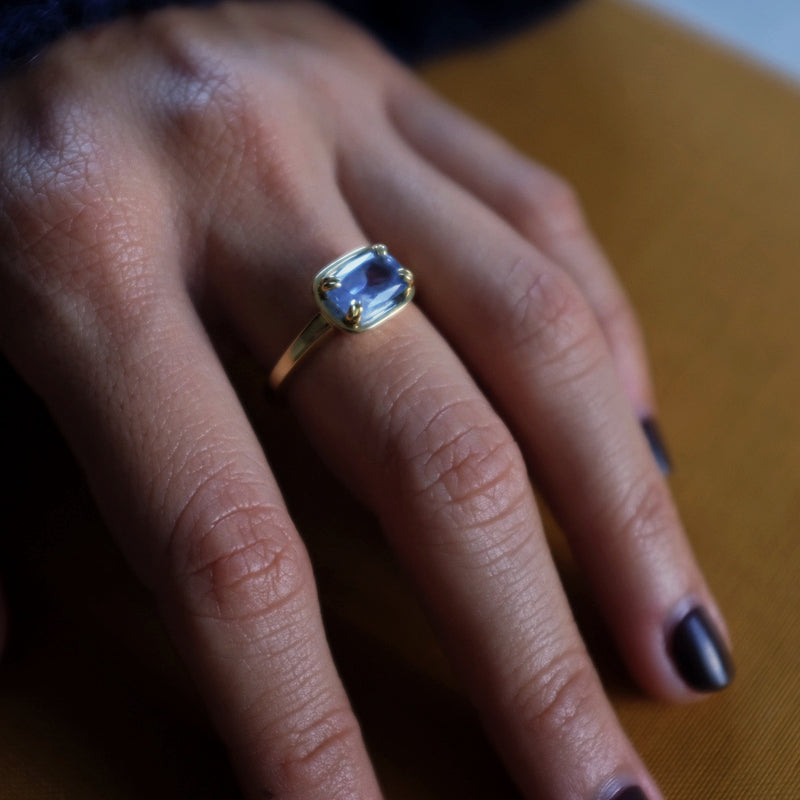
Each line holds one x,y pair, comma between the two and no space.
700,654
630,793
657,446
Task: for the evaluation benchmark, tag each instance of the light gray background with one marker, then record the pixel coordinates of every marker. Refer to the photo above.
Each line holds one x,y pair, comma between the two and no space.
767,31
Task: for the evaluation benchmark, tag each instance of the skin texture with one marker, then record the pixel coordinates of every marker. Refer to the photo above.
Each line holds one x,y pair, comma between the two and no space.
168,188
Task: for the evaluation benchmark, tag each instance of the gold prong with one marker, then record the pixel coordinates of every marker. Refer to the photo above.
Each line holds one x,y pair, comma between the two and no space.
408,277
353,315
326,284
380,249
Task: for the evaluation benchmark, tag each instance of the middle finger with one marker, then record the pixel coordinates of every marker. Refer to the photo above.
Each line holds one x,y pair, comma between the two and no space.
531,338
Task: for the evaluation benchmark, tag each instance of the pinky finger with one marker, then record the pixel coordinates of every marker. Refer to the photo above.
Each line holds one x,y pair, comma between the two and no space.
545,210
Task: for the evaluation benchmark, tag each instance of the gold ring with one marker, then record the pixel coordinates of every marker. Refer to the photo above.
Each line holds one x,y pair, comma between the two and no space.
355,293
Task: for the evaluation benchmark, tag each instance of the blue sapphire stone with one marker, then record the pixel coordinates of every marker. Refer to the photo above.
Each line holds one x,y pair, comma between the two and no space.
374,280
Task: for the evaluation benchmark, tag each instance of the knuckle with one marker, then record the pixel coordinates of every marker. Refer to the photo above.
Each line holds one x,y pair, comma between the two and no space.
198,94
618,319
57,143
235,564
209,110
322,754
49,166
647,513
552,324
558,696
66,223
470,465
333,33
170,28
551,206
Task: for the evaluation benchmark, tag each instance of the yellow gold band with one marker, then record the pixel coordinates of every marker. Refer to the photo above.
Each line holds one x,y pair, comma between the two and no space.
309,337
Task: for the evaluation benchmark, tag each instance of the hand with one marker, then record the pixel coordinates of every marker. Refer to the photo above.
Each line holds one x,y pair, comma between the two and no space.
190,172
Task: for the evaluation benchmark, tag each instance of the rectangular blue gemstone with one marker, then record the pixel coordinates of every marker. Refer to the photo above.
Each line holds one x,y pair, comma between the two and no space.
375,280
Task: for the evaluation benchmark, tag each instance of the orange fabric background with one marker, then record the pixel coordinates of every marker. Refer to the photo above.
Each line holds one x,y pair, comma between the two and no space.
689,166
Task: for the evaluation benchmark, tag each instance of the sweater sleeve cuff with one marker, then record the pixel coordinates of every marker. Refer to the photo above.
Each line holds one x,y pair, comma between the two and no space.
412,29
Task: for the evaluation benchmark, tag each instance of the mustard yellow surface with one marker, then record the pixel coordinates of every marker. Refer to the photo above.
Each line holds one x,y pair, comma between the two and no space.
688,162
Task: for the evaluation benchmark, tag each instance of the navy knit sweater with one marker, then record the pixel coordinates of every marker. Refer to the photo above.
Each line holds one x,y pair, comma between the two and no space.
413,29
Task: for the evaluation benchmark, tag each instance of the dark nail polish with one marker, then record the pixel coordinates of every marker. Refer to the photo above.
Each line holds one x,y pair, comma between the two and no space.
631,793
657,446
699,653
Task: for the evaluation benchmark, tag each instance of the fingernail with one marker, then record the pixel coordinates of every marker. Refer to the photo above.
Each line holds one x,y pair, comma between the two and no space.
657,446
700,654
631,793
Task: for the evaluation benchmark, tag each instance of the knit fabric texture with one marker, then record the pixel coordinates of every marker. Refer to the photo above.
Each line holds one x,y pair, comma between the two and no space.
412,29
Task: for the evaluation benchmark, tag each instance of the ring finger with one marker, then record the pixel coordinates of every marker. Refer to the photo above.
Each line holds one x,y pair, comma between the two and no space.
399,418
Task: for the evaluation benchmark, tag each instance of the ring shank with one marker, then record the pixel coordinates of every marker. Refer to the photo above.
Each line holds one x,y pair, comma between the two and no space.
306,341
